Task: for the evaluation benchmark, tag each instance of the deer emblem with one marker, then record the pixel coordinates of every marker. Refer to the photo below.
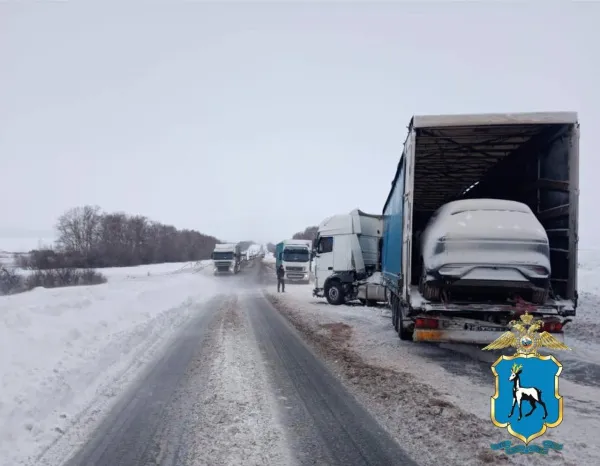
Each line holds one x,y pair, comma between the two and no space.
520,394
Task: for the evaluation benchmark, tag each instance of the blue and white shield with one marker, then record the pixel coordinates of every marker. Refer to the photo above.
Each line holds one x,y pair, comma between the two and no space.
527,401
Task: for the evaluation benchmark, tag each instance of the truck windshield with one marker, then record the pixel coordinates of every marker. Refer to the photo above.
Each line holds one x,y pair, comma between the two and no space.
296,255
222,256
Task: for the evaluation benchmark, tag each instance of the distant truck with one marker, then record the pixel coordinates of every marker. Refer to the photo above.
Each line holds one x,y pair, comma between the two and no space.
347,258
227,258
295,255
532,159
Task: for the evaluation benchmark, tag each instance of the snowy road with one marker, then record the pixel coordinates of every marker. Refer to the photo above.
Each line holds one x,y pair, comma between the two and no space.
168,365
238,386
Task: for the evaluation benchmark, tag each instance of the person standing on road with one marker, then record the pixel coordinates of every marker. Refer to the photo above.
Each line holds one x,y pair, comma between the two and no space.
280,279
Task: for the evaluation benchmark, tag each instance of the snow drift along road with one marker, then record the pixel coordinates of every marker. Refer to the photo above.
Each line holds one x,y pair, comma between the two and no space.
66,353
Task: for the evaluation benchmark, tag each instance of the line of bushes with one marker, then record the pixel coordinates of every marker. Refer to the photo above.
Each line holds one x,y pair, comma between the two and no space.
12,282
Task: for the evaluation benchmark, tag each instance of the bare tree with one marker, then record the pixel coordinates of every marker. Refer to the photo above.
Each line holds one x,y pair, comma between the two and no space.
77,229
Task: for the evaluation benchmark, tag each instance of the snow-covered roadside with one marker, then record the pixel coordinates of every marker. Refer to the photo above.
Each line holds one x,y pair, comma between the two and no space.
65,353
138,271
435,402
114,273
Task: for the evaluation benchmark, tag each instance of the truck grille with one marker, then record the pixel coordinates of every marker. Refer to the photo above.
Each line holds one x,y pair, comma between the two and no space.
294,269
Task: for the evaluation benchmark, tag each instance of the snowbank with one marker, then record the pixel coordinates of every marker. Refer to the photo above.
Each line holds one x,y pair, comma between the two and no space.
154,269
119,273
68,351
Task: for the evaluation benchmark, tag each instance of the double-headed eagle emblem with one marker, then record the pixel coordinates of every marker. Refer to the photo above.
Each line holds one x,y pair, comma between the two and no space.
527,339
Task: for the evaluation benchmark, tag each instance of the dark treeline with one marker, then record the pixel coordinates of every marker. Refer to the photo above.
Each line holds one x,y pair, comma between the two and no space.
309,233
90,238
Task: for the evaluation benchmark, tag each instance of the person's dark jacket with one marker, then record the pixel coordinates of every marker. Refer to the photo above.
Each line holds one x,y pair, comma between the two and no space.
280,272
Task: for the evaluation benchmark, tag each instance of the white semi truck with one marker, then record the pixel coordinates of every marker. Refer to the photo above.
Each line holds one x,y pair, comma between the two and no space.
296,257
347,259
227,258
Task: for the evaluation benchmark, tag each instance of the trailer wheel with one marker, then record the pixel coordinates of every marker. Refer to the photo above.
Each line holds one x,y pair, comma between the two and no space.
405,334
335,293
395,313
539,296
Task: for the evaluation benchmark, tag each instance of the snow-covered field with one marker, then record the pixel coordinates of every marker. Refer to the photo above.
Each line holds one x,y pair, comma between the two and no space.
113,273
7,260
67,352
435,400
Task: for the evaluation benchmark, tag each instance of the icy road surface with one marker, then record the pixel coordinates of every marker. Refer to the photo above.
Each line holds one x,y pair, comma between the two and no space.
237,386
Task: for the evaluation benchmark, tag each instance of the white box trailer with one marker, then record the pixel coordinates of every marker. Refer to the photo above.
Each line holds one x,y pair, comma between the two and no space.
532,158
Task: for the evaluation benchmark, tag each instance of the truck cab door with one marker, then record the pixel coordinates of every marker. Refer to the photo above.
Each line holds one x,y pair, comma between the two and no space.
323,260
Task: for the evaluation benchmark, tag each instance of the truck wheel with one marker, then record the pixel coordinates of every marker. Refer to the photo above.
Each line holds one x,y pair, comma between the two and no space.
539,296
335,294
404,333
395,313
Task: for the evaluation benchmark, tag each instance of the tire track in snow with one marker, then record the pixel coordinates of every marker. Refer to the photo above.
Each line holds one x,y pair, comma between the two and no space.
125,436
239,424
328,425
145,341
203,403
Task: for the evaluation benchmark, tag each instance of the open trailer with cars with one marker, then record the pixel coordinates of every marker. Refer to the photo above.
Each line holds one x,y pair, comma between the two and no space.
481,224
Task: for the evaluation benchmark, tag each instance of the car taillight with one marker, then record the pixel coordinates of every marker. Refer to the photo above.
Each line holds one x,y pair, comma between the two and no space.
538,269
552,327
426,323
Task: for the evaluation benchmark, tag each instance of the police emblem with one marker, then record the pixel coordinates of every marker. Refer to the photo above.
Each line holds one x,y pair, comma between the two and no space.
526,401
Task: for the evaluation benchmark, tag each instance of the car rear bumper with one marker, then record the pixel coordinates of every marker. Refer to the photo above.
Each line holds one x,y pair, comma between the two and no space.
486,275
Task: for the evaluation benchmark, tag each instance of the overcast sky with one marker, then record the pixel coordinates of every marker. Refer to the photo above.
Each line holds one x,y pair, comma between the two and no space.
254,121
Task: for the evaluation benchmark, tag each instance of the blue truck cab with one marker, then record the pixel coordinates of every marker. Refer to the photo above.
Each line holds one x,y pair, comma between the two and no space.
279,254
